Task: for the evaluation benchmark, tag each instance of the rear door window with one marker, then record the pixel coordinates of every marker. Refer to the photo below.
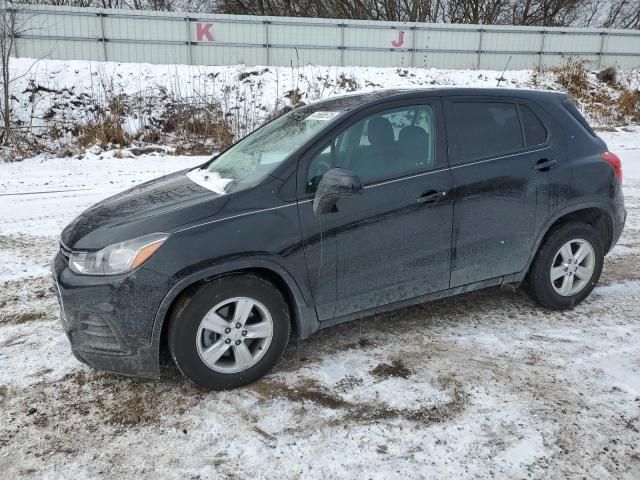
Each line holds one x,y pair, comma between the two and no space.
486,129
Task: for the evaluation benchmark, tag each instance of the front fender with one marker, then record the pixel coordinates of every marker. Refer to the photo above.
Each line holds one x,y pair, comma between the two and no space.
304,314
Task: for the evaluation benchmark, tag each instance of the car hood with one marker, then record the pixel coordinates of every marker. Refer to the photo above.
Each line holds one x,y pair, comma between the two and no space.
159,205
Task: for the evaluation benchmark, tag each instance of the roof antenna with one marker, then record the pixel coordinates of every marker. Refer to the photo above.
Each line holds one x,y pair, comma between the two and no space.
501,78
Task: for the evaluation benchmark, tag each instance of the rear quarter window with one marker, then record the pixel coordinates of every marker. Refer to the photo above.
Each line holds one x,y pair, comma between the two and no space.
535,132
486,129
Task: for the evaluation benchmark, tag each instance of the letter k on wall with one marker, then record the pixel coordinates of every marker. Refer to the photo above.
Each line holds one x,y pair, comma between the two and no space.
203,32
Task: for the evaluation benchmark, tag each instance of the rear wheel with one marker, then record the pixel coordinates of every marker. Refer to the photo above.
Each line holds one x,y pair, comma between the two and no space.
230,332
567,266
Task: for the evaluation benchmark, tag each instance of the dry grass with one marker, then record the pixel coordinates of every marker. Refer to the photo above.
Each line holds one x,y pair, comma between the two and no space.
197,127
572,76
603,96
628,105
609,76
106,132
347,83
195,118
295,96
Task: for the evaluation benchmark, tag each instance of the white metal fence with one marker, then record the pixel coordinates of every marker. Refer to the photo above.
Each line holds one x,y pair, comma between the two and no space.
179,38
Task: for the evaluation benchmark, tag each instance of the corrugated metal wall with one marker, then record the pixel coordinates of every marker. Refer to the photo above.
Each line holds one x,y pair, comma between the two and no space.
179,38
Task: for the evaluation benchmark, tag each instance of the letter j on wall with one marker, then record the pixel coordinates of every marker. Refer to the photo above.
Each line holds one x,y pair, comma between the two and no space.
204,32
398,42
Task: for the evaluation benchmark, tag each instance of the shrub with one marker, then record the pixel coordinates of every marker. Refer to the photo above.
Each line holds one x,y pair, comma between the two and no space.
295,97
628,105
573,77
608,76
197,127
105,132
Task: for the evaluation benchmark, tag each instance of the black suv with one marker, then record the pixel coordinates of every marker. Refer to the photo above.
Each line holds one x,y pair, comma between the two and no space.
337,210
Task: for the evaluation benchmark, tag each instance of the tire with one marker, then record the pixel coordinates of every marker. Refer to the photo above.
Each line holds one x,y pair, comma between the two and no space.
547,292
204,326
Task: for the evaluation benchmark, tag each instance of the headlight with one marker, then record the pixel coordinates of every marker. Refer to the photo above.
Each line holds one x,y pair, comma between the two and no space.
117,258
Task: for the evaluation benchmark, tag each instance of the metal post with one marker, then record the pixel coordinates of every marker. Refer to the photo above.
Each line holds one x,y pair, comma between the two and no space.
601,52
414,33
266,41
14,40
479,48
187,22
104,40
342,26
542,34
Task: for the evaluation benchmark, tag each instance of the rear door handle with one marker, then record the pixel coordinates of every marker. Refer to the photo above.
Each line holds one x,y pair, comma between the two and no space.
544,164
431,197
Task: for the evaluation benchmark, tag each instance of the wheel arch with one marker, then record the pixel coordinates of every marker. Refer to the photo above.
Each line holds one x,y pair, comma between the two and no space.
304,320
597,216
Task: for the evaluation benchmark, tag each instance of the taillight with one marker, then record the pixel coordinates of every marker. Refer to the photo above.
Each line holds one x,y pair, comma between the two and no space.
613,160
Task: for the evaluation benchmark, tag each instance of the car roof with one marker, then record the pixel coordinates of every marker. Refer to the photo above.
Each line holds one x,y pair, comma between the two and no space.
351,101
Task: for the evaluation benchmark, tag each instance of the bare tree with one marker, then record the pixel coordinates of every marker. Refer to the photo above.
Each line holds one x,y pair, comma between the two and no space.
555,13
476,11
13,23
548,13
9,27
622,14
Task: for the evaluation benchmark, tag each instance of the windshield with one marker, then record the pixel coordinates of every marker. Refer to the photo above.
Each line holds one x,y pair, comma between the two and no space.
258,154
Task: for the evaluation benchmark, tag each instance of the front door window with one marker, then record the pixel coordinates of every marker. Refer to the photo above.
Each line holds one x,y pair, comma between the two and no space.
382,146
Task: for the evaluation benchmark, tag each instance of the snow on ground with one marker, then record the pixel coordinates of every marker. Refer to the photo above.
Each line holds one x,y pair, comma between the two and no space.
56,96
484,385
46,90
262,86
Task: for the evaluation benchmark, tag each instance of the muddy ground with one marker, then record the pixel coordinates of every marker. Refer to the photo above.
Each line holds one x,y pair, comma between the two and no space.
484,385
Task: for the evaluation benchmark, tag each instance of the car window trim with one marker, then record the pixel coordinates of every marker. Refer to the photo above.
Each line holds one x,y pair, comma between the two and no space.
385,182
539,148
404,177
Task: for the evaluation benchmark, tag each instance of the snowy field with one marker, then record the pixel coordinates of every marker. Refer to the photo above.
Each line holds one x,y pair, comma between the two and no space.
485,385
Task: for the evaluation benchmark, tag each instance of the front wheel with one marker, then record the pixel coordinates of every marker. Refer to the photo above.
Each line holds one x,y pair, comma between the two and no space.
229,332
567,266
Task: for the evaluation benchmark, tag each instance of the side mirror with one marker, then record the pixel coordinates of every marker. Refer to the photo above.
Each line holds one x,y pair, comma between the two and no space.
336,183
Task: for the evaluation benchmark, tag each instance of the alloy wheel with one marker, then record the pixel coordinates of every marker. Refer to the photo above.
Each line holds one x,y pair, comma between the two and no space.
234,335
572,267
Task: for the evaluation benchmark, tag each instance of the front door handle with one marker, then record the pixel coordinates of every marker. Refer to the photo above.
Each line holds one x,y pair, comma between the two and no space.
431,197
545,164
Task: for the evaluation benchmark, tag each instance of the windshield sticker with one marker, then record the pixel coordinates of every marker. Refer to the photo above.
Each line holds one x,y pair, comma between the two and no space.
322,115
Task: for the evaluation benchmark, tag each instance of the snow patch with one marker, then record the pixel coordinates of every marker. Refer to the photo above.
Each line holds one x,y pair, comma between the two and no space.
209,180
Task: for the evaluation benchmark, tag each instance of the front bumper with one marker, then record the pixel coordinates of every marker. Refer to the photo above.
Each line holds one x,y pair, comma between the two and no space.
109,320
